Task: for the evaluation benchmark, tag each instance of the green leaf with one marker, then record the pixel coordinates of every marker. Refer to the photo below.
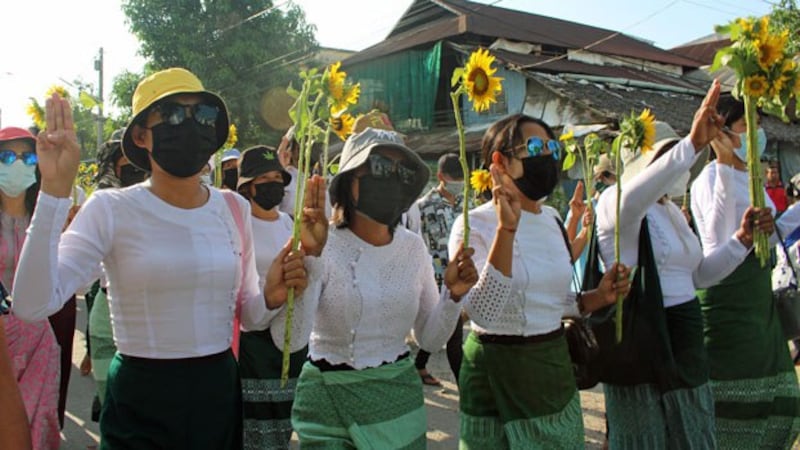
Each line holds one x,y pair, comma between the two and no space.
616,144
87,100
292,91
721,59
457,74
569,161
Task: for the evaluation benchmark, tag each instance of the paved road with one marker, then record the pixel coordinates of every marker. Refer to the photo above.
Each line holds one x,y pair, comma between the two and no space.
442,403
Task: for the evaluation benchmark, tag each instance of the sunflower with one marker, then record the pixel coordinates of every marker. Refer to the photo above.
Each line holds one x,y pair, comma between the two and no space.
336,81
233,137
568,136
776,86
342,94
482,87
763,28
342,125
480,180
746,25
648,128
60,90
770,50
36,114
755,86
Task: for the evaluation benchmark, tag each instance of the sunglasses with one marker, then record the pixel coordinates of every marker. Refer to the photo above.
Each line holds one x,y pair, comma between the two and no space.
8,157
382,167
536,146
175,113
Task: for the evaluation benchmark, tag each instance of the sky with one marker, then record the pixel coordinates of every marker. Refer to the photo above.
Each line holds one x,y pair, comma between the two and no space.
55,41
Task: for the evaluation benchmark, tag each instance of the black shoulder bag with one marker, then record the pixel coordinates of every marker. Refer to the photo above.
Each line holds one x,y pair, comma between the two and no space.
581,341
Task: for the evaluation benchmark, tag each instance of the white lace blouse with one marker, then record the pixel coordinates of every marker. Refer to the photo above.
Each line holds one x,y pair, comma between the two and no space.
362,300
537,295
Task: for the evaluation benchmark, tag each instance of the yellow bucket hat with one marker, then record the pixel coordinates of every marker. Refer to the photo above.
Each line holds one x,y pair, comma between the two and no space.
159,86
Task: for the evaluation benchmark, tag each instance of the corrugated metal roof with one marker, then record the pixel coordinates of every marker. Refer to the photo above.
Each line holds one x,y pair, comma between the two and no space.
703,52
422,23
547,65
674,108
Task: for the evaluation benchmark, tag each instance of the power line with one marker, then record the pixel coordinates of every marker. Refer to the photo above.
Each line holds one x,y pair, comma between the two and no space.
609,37
712,8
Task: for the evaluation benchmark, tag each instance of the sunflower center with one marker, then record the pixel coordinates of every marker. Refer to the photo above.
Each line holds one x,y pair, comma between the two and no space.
481,81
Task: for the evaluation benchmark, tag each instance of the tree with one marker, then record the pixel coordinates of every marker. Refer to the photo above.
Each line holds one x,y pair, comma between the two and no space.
122,91
786,15
238,48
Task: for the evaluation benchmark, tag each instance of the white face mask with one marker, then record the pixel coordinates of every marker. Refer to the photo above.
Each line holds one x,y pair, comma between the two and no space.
455,188
741,152
17,177
678,188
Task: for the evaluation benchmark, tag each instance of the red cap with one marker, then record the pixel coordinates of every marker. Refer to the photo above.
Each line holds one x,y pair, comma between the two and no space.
14,133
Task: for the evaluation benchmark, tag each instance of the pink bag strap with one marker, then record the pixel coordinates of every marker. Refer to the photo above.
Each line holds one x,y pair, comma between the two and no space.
230,199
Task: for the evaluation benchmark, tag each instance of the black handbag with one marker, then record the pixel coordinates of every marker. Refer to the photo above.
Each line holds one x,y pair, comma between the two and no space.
787,299
581,341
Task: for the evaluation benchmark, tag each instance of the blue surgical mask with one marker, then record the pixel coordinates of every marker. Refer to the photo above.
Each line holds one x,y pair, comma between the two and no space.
16,177
741,152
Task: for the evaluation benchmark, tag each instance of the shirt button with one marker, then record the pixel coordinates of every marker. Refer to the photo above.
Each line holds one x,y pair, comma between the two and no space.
353,264
355,282
351,346
519,293
352,331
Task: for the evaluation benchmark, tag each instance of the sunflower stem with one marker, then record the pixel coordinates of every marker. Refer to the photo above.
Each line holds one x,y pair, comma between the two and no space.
760,240
617,254
218,169
455,98
304,131
325,144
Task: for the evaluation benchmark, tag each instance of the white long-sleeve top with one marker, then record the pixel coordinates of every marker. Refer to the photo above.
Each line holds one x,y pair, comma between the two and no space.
173,273
680,262
269,237
362,300
720,196
537,295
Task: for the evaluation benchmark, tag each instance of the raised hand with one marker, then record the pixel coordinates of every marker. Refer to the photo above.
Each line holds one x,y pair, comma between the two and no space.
461,274
577,205
57,148
314,225
505,198
286,271
707,122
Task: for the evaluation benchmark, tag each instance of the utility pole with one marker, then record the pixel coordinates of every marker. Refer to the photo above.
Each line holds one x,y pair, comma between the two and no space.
98,66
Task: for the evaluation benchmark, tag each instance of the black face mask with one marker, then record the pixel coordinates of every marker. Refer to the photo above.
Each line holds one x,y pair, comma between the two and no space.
539,176
268,195
381,199
183,150
130,175
230,177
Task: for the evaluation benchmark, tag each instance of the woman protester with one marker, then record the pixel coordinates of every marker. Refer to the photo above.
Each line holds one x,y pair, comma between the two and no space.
519,300
656,378
176,262
372,283
267,406
756,395
32,347
114,171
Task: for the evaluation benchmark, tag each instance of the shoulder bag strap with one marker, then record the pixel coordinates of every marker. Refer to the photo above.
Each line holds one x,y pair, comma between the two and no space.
237,217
